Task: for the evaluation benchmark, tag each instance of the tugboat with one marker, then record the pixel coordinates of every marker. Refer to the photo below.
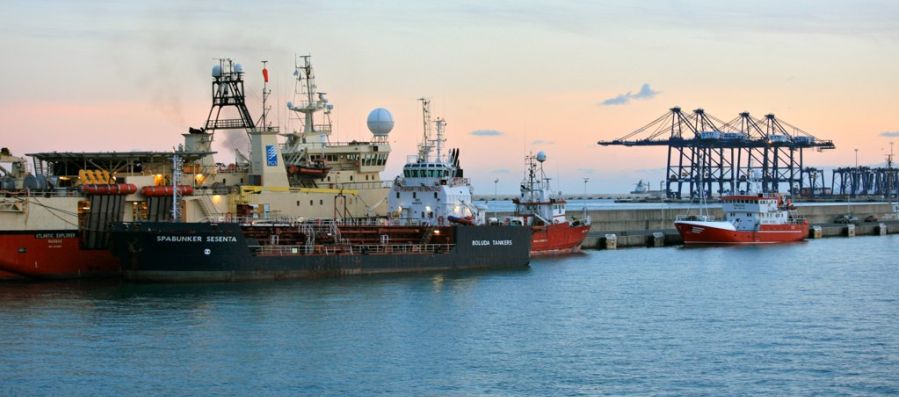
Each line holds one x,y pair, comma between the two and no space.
433,189
441,233
749,219
544,212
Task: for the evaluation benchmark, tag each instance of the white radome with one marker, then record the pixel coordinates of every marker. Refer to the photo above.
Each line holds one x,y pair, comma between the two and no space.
380,122
541,157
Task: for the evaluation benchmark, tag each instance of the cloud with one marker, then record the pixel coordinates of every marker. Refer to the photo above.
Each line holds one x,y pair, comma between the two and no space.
542,142
618,100
890,134
486,133
646,92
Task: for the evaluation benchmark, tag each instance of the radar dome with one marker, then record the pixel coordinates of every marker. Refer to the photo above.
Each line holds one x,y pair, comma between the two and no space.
380,122
238,68
541,157
216,70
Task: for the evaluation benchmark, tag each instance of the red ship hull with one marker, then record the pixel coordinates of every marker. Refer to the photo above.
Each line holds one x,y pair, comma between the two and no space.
699,233
557,239
53,254
6,276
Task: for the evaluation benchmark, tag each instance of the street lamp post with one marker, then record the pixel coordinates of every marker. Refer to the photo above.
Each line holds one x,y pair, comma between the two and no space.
586,179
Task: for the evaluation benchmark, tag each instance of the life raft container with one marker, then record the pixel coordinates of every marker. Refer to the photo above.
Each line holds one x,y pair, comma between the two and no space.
158,191
105,189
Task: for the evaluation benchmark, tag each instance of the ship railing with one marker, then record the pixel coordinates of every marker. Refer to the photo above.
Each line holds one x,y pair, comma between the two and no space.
296,221
700,218
359,185
351,249
55,192
795,218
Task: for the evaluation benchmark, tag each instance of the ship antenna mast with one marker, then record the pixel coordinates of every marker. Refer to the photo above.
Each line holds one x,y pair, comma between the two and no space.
424,149
532,170
441,137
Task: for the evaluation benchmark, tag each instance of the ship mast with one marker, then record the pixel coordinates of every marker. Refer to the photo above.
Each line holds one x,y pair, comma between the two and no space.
441,137
424,149
311,101
265,94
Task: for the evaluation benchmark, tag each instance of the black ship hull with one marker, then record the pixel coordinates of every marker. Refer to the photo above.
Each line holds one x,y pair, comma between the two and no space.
159,251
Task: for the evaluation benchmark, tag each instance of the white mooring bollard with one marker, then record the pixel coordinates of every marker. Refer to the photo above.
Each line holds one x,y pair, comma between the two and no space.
817,231
611,241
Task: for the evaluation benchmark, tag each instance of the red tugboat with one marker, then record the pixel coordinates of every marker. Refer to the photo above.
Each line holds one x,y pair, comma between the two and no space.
544,212
759,219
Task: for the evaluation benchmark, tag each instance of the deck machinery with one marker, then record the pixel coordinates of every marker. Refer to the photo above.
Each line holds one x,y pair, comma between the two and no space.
709,156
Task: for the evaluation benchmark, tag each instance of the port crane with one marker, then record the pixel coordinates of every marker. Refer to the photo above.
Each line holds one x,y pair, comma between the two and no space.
707,155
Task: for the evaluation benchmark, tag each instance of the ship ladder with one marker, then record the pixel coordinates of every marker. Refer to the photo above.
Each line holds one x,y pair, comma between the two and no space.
207,207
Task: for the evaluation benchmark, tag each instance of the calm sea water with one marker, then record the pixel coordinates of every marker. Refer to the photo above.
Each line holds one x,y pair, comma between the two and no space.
816,318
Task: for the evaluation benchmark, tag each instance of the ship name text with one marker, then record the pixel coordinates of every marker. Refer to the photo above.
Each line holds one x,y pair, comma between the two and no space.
483,243
55,235
196,239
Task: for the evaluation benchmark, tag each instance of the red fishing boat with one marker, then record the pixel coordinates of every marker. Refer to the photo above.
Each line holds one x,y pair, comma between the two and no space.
758,219
537,207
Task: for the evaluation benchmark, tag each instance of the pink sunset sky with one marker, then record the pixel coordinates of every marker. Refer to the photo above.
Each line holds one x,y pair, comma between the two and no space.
508,76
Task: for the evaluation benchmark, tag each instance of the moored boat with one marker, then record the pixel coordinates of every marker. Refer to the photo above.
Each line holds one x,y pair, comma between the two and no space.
749,219
420,235
544,212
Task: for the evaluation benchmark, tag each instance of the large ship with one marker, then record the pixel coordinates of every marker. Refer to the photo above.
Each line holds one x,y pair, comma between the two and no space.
436,229
749,219
54,220
544,212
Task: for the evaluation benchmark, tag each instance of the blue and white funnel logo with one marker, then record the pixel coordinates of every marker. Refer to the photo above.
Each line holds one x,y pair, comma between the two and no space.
271,156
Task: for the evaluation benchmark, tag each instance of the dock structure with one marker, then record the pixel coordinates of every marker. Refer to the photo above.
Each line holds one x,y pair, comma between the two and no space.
708,156
866,181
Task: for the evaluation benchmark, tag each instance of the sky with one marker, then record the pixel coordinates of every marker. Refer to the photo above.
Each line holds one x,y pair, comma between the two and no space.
510,77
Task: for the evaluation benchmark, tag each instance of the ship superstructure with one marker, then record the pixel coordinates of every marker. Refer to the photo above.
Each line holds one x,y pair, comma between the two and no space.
307,176
433,189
